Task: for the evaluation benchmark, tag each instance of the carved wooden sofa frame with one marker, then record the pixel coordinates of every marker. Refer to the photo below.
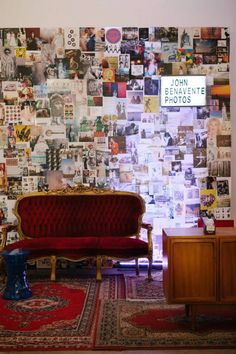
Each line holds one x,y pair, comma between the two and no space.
81,223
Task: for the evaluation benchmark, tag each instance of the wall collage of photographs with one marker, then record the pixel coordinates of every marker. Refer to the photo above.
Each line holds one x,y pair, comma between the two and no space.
82,105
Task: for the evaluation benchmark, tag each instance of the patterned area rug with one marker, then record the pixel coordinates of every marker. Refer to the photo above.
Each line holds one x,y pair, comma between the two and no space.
60,315
127,325
139,288
123,312
144,320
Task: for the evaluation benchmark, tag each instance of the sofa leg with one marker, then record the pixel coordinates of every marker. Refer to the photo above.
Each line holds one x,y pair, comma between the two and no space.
53,267
98,268
150,269
136,266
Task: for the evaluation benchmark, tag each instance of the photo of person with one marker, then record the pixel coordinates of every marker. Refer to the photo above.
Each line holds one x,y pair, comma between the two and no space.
131,128
130,33
185,38
32,38
92,39
59,42
166,34
224,110
146,131
94,87
201,139
222,187
179,68
28,112
108,75
62,65
135,97
168,140
87,39
57,108
168,52
151,104
121,108
114,146
8,63
151,86
213,127
14,37
176,166
150,65
102,163
135,85
199,157
124,61
117,145
203,112
126,172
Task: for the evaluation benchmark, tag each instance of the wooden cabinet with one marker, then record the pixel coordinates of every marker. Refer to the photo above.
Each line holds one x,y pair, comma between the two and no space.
198,268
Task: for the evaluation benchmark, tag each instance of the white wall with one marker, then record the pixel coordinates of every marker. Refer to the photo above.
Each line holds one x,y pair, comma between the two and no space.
192,13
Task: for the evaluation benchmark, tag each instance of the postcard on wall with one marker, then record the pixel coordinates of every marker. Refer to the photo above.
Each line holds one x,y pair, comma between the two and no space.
208,199
185,37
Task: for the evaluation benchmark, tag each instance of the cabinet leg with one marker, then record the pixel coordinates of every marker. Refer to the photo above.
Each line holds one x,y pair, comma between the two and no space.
187,310
136,266
193,314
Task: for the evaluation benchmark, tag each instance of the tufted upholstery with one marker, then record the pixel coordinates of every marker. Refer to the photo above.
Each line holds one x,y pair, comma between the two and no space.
79,215
77,225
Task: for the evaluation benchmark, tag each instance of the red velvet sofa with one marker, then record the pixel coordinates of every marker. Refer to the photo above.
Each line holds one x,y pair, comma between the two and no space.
82,222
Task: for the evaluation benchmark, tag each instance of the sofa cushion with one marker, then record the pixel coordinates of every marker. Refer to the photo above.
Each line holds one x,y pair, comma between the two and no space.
40,247
121,247
82,246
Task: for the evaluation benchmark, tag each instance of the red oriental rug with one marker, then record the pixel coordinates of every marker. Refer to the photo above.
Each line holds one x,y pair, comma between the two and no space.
59,316
123,312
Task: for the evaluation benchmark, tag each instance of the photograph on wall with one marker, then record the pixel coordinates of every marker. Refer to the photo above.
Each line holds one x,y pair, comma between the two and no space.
204,46
185,37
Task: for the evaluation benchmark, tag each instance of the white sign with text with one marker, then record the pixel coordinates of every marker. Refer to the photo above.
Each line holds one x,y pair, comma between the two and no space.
183,91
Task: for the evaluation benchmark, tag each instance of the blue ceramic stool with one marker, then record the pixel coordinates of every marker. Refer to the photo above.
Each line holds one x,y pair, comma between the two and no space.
17,285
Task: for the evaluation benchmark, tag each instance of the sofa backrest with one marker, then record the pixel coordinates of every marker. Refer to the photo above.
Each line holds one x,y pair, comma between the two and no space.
73,214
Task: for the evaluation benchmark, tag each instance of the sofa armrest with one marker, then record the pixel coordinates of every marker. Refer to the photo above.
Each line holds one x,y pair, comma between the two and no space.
4,229
149,229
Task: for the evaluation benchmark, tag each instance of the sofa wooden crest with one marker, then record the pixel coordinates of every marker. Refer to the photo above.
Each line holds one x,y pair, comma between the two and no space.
80,223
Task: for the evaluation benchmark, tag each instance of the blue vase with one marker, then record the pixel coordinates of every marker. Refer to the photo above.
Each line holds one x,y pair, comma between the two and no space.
17,286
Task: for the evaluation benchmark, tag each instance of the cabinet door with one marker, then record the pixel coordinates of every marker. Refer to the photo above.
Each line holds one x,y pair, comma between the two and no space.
227,272
193,270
